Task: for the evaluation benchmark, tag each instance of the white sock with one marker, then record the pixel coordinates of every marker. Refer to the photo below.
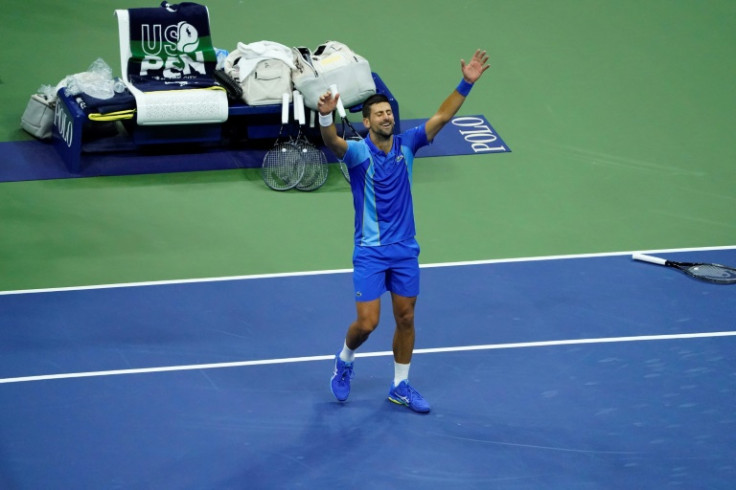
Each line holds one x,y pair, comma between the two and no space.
401,373
347,354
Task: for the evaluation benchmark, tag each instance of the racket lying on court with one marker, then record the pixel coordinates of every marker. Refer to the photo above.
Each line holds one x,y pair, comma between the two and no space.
348,131
315,169
283,165
715,273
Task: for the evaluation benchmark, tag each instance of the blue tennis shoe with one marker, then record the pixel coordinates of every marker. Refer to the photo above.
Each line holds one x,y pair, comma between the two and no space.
340,382
405,395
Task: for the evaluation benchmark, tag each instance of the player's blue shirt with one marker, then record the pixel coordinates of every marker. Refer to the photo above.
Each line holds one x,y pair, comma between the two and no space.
381,185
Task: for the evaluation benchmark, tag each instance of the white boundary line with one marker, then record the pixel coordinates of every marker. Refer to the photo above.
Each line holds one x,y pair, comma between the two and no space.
345,271
439,350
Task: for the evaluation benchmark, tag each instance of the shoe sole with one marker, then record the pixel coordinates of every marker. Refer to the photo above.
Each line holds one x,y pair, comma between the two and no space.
403,403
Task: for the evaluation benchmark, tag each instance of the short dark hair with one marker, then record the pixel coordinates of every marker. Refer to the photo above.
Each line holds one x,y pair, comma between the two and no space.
373,99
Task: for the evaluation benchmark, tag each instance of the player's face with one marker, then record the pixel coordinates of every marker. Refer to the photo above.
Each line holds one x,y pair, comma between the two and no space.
381,121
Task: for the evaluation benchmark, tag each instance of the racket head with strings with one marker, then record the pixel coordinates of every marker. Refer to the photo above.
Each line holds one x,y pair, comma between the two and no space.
316,169
703,271
283,166
348,132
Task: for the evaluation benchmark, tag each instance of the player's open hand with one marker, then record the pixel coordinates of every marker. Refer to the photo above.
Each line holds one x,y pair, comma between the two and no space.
475,68
327,103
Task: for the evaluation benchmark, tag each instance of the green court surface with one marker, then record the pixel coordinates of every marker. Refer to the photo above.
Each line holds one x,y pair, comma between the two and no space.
620,116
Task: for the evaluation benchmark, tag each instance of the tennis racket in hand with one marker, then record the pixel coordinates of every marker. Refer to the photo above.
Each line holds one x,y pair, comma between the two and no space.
715,273
283,165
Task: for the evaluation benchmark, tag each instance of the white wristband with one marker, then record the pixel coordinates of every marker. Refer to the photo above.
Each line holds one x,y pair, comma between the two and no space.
325,120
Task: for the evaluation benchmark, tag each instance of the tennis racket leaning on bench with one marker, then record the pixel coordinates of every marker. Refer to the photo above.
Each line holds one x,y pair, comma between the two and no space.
283,165
348,131
315,161
715,273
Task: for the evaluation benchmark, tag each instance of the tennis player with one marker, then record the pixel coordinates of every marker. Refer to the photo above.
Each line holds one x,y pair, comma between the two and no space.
386,253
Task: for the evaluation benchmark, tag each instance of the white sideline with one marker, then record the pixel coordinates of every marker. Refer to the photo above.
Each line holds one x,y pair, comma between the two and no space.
345,271
261,362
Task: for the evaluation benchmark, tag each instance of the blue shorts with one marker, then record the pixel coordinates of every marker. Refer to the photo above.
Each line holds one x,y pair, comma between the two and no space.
393,267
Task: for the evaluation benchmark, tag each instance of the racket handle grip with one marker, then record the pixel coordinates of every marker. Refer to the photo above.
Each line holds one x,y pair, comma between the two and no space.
285,108
649,258
300,106
340,107
295,99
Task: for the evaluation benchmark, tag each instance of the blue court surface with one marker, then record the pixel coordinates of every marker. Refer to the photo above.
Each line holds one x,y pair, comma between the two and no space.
560,372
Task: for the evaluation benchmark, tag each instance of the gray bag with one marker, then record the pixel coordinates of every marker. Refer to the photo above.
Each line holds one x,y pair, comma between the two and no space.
332,63
263,71
267,84
38,118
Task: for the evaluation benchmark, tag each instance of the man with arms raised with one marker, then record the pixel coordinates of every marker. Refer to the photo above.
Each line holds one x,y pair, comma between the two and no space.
386,254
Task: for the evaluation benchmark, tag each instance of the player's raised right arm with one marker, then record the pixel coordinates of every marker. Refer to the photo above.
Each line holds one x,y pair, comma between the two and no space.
326,106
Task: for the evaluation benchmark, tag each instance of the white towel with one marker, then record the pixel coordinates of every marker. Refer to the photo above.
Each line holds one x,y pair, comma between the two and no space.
163,107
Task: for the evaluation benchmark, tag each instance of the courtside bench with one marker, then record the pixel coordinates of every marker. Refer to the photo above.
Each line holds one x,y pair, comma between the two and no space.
74,133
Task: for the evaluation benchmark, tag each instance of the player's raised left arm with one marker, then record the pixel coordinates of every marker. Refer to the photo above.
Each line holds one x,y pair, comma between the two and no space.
472,71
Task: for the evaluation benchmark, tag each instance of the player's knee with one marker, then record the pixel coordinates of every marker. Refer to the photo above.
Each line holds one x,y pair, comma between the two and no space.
366,325
405,319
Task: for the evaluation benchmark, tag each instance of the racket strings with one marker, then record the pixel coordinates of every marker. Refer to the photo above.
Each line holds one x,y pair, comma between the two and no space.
713,272
316,169
283,166
349,133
